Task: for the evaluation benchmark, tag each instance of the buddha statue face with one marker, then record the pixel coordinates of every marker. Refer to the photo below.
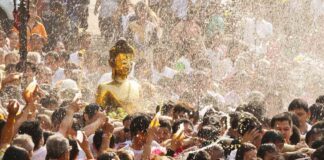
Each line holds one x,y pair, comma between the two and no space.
122,66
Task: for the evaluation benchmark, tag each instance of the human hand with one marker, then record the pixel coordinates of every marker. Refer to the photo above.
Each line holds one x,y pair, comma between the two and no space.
108,128
76,104
13,107
85,143
249,136
151,133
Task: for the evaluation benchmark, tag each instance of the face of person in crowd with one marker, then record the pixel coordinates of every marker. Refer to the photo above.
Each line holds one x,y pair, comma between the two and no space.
271,156
123,65
284,128
59,48
302,115
163,134
37,43
250,155
44,77
33,12
51,62
11,59
14,40
126,129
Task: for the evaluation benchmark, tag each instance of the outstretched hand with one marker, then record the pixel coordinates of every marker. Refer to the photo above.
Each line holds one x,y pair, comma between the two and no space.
13,107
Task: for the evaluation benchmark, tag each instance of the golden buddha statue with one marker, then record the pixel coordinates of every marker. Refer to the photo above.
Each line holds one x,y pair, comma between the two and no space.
121,92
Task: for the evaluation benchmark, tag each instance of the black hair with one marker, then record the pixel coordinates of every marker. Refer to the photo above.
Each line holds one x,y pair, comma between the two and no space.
209,133
245,147
123,155
91,109
298,104
295,137
317,143
53,54
317,128
266,148
294,118
317,111
200,155
58,116
320,99
165,123
248,123
15,153
10,68
97,140
121,46
48,100
318,154
2,124
272,136
74,151
33,129
21,67
108,156
177,123
294,156
46,135
140,123
183,107
280,118
167,108
234,119
129,117
255,108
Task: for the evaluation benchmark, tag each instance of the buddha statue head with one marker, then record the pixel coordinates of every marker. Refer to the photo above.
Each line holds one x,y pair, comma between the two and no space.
120,60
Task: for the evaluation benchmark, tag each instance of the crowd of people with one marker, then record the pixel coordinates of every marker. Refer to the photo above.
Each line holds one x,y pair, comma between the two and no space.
216,82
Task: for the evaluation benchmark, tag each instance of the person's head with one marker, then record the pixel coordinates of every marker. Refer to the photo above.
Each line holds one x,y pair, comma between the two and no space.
2,39
85,40
318,143
13,40
164,132
108,156
11,58
33,129
214,150
33,11
37,42
51,60
318,154
98,137
124,155
15,153
74,152
45,122
34,57
247,124
44,75
199,155
58,147
120,59
29,70
283,123
209,134
296,136
315,133
24,141
300,108
320,99
182,110
187,124
138,129
247,151
57,117
268,151
255,108
274,137
49,102
90,111
57,8
167,109
59,47
141,10
295,156
316,112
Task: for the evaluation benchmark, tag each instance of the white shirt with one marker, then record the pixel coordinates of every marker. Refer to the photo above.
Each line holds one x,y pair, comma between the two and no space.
108,8
74,58
58,76
40,154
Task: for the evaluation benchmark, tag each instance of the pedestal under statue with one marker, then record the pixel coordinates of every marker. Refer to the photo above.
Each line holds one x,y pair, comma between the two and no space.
121,92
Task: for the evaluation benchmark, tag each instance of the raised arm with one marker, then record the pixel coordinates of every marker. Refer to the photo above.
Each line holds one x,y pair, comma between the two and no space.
8,131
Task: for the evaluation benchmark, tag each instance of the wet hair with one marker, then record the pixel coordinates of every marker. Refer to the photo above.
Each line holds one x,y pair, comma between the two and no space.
15,153
46,135
255,108
317,128
234,119
200,155
298,104
318,143
209,133
91,109
320,99
165,123
317,111
248,123
24,141
108,156
139,124
97,140
177,123
121,46
128,118
58,116
245,147
21,68
167,108
272,136
10,68
280,118
266,148
294,118
33,129
295,137
183,107
318,154
47,101
294,156
53,54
